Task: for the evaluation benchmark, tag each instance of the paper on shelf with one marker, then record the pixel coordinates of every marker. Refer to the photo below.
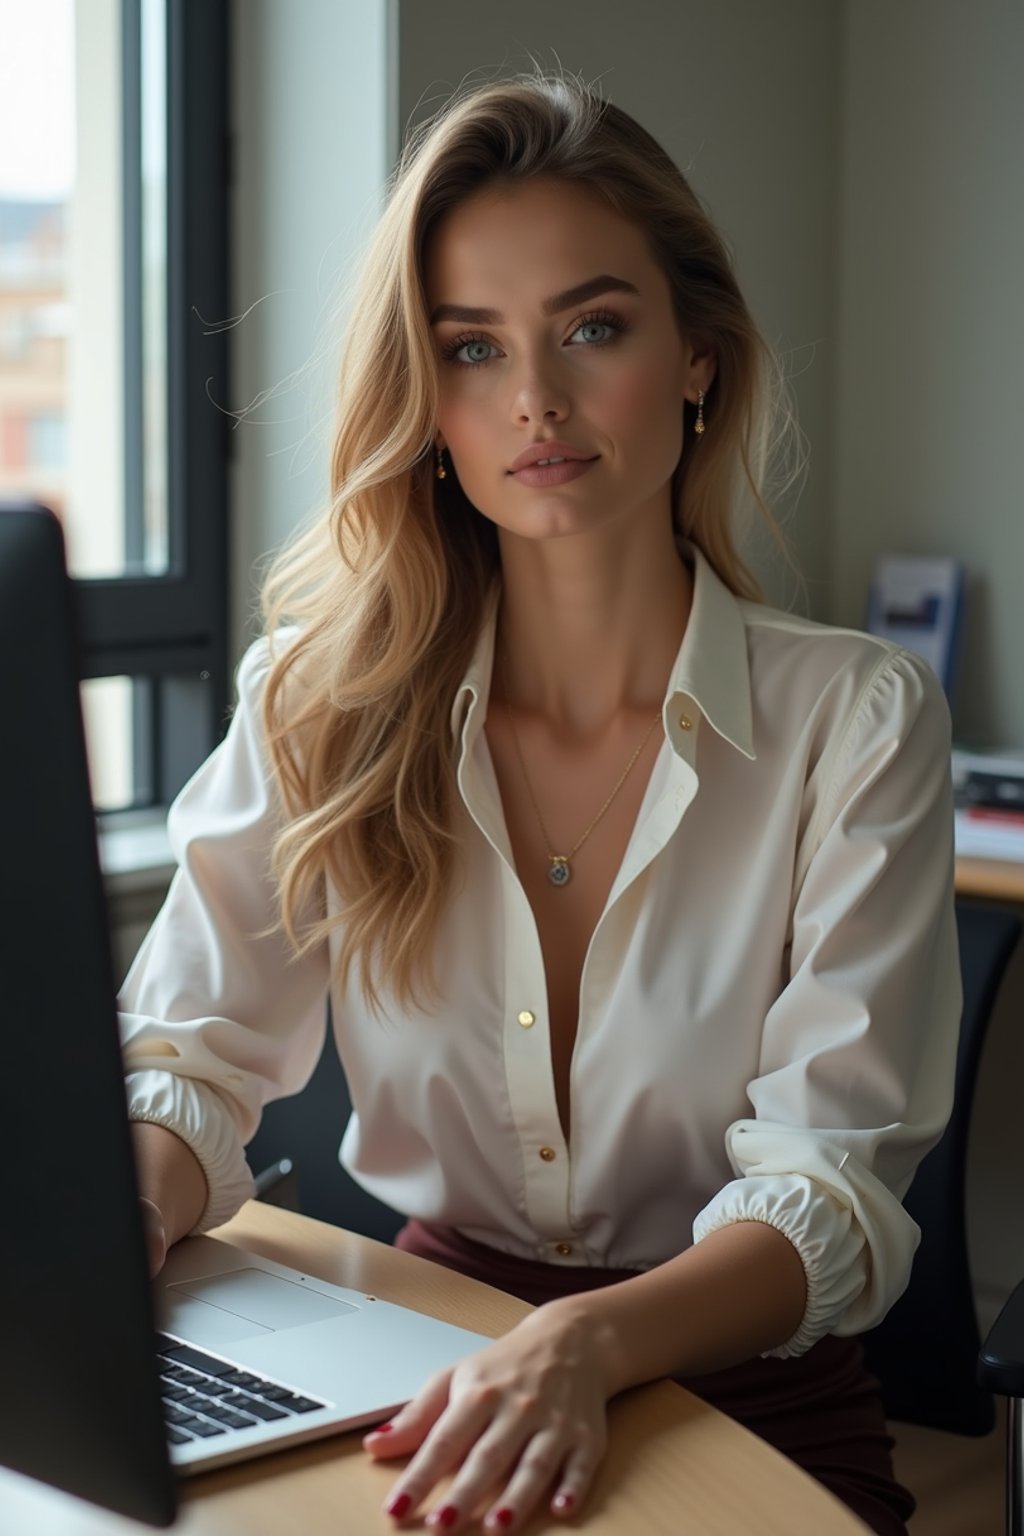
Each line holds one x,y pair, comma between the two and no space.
982,838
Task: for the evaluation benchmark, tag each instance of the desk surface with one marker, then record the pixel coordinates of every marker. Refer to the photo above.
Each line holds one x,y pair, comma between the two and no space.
674,1464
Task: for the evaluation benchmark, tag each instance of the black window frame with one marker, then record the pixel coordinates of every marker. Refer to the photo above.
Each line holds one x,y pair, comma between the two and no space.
169,633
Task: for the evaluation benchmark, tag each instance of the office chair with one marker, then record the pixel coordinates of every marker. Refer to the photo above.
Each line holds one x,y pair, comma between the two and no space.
927,1352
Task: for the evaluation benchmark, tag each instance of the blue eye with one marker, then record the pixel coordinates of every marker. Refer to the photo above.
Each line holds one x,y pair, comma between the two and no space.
468,346
452,352
597,325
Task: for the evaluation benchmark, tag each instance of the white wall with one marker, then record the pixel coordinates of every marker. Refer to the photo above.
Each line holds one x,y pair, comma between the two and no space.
928,414
931,357
744,96
314,141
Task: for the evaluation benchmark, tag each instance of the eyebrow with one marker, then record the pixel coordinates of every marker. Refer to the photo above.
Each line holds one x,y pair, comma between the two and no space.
553,306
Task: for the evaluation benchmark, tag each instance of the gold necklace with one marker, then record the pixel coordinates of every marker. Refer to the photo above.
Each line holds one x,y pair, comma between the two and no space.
559,867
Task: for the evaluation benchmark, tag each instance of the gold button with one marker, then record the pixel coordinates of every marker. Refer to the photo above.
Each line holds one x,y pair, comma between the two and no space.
564,1249
527,1019
686,722
548,1154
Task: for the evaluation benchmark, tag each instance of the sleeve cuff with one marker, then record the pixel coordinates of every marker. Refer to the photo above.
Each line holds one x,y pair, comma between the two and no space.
823,1232
196,1112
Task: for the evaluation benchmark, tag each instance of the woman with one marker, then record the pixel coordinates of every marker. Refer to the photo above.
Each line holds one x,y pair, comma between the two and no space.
633,896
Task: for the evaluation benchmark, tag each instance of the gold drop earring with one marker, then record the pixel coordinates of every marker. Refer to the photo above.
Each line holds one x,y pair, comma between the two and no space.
699,424
440,472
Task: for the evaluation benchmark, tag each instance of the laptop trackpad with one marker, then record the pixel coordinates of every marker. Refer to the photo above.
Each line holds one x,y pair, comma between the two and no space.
215,1309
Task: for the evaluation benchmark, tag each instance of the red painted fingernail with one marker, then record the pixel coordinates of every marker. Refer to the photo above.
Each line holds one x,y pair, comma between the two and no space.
505,1516
399,1506
382,1429
448,1516
562,1501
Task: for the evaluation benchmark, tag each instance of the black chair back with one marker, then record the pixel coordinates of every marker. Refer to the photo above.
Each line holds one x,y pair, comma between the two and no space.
925,1352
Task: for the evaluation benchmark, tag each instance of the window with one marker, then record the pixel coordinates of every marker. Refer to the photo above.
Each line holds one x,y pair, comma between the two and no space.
46,451
114,187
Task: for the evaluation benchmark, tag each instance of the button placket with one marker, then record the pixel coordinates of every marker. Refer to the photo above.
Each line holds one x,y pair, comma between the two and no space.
529,1073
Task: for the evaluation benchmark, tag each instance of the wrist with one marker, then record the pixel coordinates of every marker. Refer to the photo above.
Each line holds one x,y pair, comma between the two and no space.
155,1229
598,1336
170,1177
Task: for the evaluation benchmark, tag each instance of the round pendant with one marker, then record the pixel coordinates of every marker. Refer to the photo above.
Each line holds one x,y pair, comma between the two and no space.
559,872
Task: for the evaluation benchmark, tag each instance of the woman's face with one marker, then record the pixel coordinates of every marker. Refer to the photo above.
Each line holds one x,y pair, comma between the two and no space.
554,325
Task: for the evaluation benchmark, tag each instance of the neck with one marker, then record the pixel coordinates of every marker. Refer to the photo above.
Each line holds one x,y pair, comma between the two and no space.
589,626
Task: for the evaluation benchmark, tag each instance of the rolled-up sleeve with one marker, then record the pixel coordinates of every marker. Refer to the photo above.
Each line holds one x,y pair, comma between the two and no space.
856,1072
217,1017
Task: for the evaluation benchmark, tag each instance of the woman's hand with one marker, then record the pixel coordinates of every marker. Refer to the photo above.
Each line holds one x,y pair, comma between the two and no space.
172,1189
524,1418
520,1419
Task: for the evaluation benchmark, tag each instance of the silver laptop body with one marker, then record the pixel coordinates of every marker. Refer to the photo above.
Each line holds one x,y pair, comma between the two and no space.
359,1356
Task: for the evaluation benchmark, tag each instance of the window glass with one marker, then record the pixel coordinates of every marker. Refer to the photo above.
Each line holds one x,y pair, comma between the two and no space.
83,257
107,704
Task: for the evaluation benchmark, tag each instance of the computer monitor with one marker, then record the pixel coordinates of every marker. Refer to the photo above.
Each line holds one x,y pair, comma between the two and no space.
81,1404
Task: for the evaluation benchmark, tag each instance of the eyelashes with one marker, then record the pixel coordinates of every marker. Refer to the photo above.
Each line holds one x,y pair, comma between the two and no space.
451,349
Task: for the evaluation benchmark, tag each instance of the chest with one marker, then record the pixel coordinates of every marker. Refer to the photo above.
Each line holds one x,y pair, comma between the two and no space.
557,798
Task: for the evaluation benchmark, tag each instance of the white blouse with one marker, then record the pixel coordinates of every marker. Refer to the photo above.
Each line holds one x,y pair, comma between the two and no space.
768,1007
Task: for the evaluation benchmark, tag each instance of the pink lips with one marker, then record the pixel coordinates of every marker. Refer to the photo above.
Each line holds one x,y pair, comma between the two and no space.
528,471
553,474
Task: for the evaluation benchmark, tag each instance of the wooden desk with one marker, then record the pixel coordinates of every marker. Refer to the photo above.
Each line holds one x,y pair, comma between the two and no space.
998,879
674,1464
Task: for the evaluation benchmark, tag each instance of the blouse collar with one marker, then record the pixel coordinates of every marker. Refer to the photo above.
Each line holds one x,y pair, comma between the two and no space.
711,670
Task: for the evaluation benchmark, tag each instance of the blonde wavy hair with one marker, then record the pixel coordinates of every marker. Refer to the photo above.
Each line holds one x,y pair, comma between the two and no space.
389,588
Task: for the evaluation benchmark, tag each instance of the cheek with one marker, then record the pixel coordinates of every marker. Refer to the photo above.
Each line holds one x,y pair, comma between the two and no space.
462,417
468,430
645,404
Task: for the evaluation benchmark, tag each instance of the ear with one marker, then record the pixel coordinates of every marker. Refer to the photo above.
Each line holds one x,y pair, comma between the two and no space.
702,367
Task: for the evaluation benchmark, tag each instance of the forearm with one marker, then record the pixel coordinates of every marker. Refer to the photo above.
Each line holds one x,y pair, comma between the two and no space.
169,1174
738,1292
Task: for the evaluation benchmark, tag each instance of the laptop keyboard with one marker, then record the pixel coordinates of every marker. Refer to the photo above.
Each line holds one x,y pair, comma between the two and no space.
204,1396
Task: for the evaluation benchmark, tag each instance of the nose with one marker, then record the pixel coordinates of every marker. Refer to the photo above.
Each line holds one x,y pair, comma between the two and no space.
539,394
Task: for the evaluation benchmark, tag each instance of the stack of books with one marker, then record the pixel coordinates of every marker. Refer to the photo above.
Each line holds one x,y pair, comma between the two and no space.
988,796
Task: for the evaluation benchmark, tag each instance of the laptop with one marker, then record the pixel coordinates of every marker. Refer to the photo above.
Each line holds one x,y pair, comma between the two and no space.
114,1387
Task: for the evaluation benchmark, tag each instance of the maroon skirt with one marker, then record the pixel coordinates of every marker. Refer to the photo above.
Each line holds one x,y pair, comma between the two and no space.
821,1409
